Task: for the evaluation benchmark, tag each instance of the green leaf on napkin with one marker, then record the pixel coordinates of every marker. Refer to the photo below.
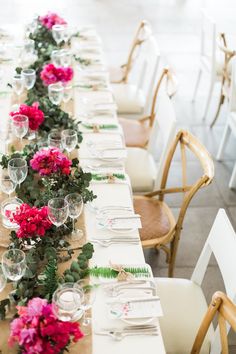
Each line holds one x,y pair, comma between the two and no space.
104,177
100,126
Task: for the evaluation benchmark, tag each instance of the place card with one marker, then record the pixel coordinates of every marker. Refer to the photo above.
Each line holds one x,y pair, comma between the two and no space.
134,308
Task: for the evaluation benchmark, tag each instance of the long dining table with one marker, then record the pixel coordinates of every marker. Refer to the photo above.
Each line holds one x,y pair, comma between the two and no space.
108,192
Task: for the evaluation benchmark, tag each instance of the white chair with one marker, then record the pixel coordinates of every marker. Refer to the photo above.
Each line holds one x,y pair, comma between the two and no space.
183,302
145,174
211,60
231,123
135,96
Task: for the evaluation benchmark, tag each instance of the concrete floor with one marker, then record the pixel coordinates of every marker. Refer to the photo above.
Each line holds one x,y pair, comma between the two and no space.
176,25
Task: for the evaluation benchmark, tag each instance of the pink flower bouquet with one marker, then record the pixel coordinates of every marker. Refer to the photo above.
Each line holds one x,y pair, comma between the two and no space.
52,160
34,114
52,74
51,19
37,330
33,222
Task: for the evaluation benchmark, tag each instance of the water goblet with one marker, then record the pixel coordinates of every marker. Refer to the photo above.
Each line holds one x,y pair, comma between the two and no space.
69,140
56,57
75,204
54,140
58,33
17,169
18,85
13,264
67,34
58,211
66,57
67,95
29,76
89,297
67,301
3,279
55,93
20,125
29,46
7,184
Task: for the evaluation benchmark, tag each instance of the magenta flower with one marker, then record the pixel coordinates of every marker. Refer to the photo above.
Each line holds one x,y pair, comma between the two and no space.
38,331
52,160
52,74
51,19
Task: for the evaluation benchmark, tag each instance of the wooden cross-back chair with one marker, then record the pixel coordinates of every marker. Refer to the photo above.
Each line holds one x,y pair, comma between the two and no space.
226,310
137,132
226,77
142,34
159,227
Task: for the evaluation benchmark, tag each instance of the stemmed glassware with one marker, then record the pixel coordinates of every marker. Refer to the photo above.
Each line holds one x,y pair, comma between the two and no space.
7,184
56,57
75,204
69,139
13,264
58,33
67,94
66,57
18,85
20,125
3,279
89,297
67,301
17,169
55,140
58,211
29,46
29,76
55,93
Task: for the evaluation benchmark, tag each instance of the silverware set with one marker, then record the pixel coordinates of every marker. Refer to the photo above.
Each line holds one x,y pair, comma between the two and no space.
136,330
115,240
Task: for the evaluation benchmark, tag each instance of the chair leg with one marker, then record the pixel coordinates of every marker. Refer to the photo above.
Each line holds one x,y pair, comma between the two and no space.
209,97
223,142
221,102
173,251
232,182
196,85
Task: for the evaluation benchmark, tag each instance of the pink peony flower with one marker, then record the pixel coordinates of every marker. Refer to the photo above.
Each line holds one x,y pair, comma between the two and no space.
51,19
34,114
33,222
52,160
52,74
45,333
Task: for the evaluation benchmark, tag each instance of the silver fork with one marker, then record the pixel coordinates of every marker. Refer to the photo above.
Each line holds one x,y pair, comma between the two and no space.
108,242
119,335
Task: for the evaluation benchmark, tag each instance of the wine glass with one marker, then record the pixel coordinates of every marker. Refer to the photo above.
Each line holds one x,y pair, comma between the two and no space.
17,169
66,57
18,85
7,184
89,297
55,93
56,57
67,301
75,204
69,139
13,264
58,33
20,125
67,95
29,46
58,211
54,140
29,76
3,279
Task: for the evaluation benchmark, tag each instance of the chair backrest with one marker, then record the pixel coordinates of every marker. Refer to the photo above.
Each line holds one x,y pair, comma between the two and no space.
222,243
143,32
226,310
186,141
232,94
208,38
163,133
144,69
